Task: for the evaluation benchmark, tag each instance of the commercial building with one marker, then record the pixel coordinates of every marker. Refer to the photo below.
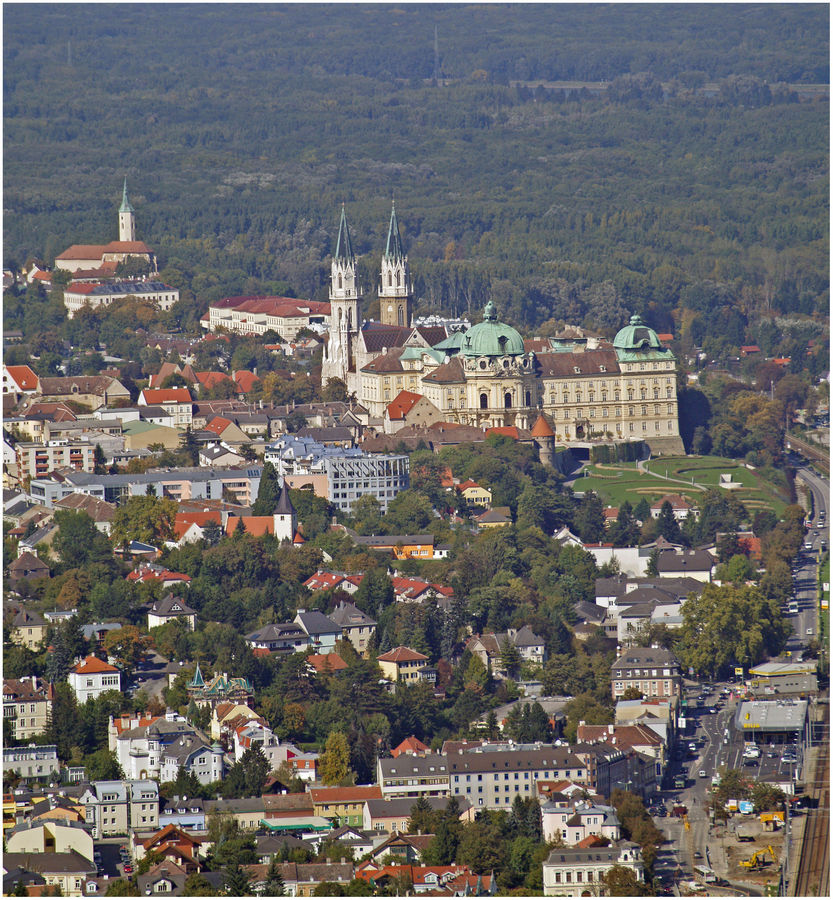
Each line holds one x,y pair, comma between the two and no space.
654,671
773,721
350,473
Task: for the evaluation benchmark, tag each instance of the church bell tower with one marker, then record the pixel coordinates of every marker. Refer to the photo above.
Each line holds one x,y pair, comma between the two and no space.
127,218
395,291
345,309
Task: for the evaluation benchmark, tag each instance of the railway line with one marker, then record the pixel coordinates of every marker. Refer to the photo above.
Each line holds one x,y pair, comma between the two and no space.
813,877
816,455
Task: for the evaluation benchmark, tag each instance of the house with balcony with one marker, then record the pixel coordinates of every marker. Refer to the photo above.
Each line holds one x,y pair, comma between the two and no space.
92,677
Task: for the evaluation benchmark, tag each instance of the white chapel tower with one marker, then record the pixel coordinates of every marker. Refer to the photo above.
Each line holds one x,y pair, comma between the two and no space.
345,309
127,218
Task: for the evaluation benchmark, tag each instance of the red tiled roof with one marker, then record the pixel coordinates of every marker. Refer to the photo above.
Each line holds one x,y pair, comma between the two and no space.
23,377
245,380
542,428
506,430
92,665
184,521
665,338
210,379
323,661
345,794
218,425
96,251
156,396
402,404
82,287
401,654
410,744
256,526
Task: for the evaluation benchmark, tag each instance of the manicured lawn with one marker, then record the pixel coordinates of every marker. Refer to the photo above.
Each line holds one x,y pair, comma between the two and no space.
618,482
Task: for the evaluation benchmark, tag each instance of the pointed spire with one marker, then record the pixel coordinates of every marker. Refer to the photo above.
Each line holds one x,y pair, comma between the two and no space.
125,203
393,248
197,681
344,247
284,505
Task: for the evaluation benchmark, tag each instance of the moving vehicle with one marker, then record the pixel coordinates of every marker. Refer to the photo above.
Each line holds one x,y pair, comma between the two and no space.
792,609
703,773
679,782
715,780
704,872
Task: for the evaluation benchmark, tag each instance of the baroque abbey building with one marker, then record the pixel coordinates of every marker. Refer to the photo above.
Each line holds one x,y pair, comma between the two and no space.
589,389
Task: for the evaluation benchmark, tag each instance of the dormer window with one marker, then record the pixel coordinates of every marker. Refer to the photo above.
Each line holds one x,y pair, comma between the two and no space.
577,370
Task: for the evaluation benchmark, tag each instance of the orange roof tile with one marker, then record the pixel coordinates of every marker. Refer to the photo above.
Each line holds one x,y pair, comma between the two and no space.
505,430
256,526
210,379
401,654
218,425
402,404
321,662
245,380
542,428
92,665
23,377
345,794
412,744
155,396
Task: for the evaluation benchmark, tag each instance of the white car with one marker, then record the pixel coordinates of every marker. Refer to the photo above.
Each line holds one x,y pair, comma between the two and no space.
703,773
715,780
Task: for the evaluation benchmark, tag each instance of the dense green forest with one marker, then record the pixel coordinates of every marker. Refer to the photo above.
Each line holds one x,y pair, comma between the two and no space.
693,187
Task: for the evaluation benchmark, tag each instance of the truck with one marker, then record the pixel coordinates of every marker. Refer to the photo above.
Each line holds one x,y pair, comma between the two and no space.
679,782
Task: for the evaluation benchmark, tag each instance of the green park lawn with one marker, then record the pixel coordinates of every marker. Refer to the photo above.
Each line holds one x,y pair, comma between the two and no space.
618,482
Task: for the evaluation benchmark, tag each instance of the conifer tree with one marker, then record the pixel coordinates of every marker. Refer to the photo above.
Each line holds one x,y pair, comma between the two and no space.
268,493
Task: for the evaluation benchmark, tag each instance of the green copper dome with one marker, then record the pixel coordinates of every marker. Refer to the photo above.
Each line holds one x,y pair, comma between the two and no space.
492,338
637,336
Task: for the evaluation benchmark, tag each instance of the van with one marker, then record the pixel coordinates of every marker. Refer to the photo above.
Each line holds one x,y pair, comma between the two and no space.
793,608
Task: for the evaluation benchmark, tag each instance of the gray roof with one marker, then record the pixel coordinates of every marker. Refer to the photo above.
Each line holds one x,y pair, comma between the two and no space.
517,759
566,856
277,631
686,561
406,765
315,622
347,615
186,747
642,656
771,715
526,637
90,631
70,862
402,806
171,606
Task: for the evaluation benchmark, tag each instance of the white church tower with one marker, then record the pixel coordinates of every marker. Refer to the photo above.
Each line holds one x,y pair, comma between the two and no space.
127,218
345,309
395,301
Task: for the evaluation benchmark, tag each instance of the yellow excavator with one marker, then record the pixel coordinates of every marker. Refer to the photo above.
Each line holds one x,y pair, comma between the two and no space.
757,858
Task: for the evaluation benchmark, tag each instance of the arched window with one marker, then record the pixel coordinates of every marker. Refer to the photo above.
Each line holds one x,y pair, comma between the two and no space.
398,278
349,319
484,401
507,400
390,279
552,399
339,281
401,312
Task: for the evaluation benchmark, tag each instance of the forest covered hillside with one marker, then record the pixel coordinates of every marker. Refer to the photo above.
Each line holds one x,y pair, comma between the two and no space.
691,186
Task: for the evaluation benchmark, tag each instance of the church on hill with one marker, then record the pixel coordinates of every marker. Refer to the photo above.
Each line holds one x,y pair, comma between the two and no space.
587,388
100,260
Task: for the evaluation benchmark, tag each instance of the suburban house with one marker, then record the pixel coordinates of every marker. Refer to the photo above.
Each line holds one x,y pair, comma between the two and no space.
403,663
343,805
356,626
28,628
92,677
574,821
489,648
322,631
176,402
26,706
169,608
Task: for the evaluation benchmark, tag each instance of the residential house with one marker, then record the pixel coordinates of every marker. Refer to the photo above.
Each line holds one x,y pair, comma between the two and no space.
51,836
169,608
411,745
573,821
91,677
220,455
407,848
226,432
219,689
281,637
679,506
193,754
175,401
328,581
113,807
174,844
301,879
65,871
226,718
698,564
57,809
403,663
184,812
414,590
322,631
260,735
18,381
35,460
32,762
27,706
407,775
389,814
659,715
475,494
98,510
609,767
28,629
356,626
489,648
496,517
325,663
654,671
343,805
569,871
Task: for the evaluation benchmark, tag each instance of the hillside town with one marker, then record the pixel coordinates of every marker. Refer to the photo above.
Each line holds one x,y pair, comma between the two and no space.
310,604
